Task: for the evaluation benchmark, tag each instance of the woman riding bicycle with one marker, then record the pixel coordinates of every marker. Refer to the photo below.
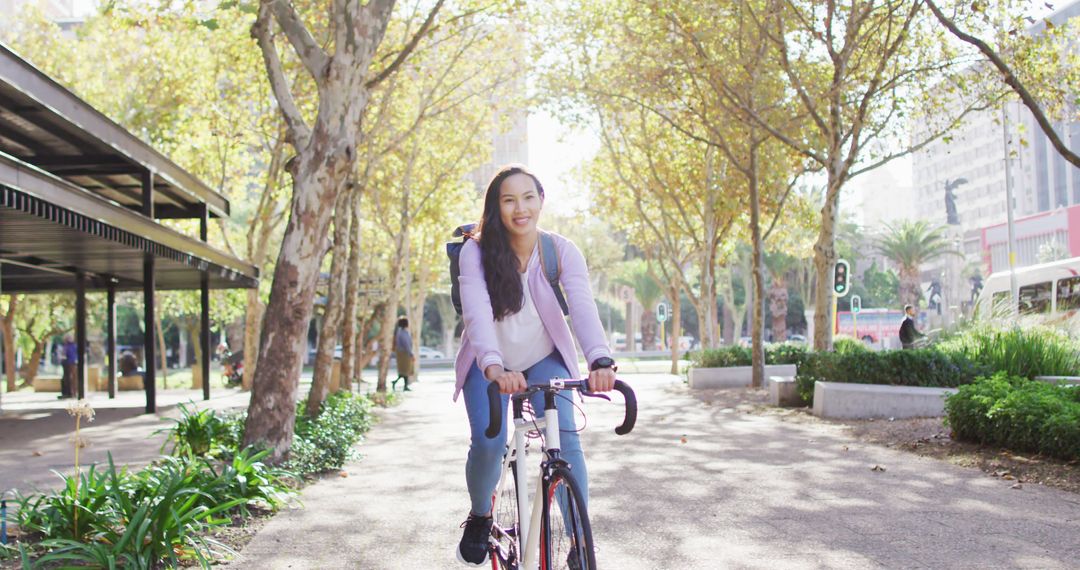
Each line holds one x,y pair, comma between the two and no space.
514,327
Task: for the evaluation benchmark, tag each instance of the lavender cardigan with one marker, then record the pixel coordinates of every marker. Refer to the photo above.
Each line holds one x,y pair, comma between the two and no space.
479,343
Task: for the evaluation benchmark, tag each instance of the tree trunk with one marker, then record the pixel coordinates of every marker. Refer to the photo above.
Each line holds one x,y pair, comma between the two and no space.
758,269
778,305
252,326
7,328
448,316
824,259
316,178
352,296
195,327
30,368
335,299
676,327
161,350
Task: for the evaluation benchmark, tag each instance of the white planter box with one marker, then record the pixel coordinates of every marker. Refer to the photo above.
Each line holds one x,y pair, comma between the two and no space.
863,401
1066,380
783,392
734,376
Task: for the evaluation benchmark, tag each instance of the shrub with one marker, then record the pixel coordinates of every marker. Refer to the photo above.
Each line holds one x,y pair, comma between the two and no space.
784,353
925,367
326,441
848,345
155,516
1019,414
1026,352
205,433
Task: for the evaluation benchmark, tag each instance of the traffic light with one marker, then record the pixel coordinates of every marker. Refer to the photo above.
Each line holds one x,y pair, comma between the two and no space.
856,304
661,312
841,278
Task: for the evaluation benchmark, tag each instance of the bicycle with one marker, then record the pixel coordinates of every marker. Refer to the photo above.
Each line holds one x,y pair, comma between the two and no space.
549,540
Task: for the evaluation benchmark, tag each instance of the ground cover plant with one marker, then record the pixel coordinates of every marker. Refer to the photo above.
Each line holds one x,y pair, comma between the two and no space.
163,515
1019,414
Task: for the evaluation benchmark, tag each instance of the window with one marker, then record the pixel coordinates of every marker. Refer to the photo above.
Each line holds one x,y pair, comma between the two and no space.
1068,294
1035,299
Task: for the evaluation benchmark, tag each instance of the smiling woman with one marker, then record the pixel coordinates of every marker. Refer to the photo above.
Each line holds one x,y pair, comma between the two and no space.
515,329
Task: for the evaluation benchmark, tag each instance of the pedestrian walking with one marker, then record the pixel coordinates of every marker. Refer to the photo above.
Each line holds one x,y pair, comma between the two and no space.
403,350
70,361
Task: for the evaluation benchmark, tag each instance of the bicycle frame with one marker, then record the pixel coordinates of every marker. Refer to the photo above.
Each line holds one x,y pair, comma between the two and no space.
529,516
529,526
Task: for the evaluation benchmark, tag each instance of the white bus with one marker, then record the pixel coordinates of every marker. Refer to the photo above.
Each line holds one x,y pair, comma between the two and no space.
1046,289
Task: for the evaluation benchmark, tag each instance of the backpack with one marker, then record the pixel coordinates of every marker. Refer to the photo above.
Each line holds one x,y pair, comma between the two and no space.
549,261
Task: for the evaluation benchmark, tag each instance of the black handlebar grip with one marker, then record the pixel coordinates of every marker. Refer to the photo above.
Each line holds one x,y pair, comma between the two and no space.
495,411
630,414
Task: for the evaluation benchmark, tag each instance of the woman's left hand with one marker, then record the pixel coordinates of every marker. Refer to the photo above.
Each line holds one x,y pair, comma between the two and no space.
602,380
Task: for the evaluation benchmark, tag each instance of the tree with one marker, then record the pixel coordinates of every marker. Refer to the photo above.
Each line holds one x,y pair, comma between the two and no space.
909,245
7,330
325,155
1030,53
855,70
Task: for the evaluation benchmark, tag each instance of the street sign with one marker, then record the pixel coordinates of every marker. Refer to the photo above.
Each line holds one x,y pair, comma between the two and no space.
856,304
626,293
661,312
841,278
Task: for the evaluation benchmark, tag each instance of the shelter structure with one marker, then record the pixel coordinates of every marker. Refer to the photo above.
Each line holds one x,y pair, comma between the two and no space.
80,204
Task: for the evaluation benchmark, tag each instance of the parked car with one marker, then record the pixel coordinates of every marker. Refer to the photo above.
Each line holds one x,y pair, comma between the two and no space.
796,338
428,352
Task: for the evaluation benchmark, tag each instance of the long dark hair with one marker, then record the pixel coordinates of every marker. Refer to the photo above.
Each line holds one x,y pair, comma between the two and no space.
500,264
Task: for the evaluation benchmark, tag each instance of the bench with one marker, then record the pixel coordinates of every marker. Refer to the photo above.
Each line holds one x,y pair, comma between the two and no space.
734,376
863,401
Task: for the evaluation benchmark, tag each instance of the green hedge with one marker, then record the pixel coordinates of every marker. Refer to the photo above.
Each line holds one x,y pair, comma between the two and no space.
740,356
926,367
1019,414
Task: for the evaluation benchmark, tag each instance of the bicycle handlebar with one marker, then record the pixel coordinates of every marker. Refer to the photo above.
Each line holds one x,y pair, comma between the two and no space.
495,405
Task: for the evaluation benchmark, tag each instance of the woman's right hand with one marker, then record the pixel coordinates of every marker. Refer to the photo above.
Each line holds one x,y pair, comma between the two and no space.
509,382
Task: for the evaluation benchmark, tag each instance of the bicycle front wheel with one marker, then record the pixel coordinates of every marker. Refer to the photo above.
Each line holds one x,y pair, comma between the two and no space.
505,526
565,535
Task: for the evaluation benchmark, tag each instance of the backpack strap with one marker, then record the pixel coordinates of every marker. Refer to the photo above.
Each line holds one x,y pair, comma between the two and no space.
453,251
549,262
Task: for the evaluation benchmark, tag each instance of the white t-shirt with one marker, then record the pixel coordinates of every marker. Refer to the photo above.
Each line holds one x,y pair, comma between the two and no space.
523,340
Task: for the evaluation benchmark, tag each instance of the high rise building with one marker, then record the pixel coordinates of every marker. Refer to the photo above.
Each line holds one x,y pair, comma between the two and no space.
511,145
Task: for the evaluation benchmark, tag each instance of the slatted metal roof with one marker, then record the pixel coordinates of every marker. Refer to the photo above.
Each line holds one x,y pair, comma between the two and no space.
43,245
44,124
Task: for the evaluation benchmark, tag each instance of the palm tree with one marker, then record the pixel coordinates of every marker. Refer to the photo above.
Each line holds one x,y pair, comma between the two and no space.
909,245
638,275
779,265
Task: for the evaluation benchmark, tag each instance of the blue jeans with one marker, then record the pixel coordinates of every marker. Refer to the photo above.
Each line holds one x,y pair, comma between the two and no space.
484,465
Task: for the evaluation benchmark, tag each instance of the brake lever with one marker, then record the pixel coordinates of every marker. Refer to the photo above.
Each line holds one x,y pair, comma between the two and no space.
595,395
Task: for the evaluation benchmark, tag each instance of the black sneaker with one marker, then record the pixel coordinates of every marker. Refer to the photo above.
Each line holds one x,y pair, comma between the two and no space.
473,548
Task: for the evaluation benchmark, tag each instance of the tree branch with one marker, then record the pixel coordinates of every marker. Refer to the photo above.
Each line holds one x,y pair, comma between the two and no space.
311,55
409,47
296,130
1012,81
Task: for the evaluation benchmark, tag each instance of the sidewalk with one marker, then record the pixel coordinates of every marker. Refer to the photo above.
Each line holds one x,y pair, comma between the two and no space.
743,491
36,432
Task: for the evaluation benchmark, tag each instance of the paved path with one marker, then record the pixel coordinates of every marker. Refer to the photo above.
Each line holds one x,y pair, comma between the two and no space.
36,432
743,491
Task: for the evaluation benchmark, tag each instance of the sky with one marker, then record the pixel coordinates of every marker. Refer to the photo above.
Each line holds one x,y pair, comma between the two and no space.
555,150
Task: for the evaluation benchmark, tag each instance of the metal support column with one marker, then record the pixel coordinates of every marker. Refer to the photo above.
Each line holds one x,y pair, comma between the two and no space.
80,336
149,314
204,291
110,343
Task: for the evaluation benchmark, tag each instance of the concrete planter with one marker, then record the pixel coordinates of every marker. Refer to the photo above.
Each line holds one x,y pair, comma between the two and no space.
46,384
783,392
1065,380
864,401
734,376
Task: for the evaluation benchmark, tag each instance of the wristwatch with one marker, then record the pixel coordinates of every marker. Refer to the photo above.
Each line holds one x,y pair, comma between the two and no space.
603,362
